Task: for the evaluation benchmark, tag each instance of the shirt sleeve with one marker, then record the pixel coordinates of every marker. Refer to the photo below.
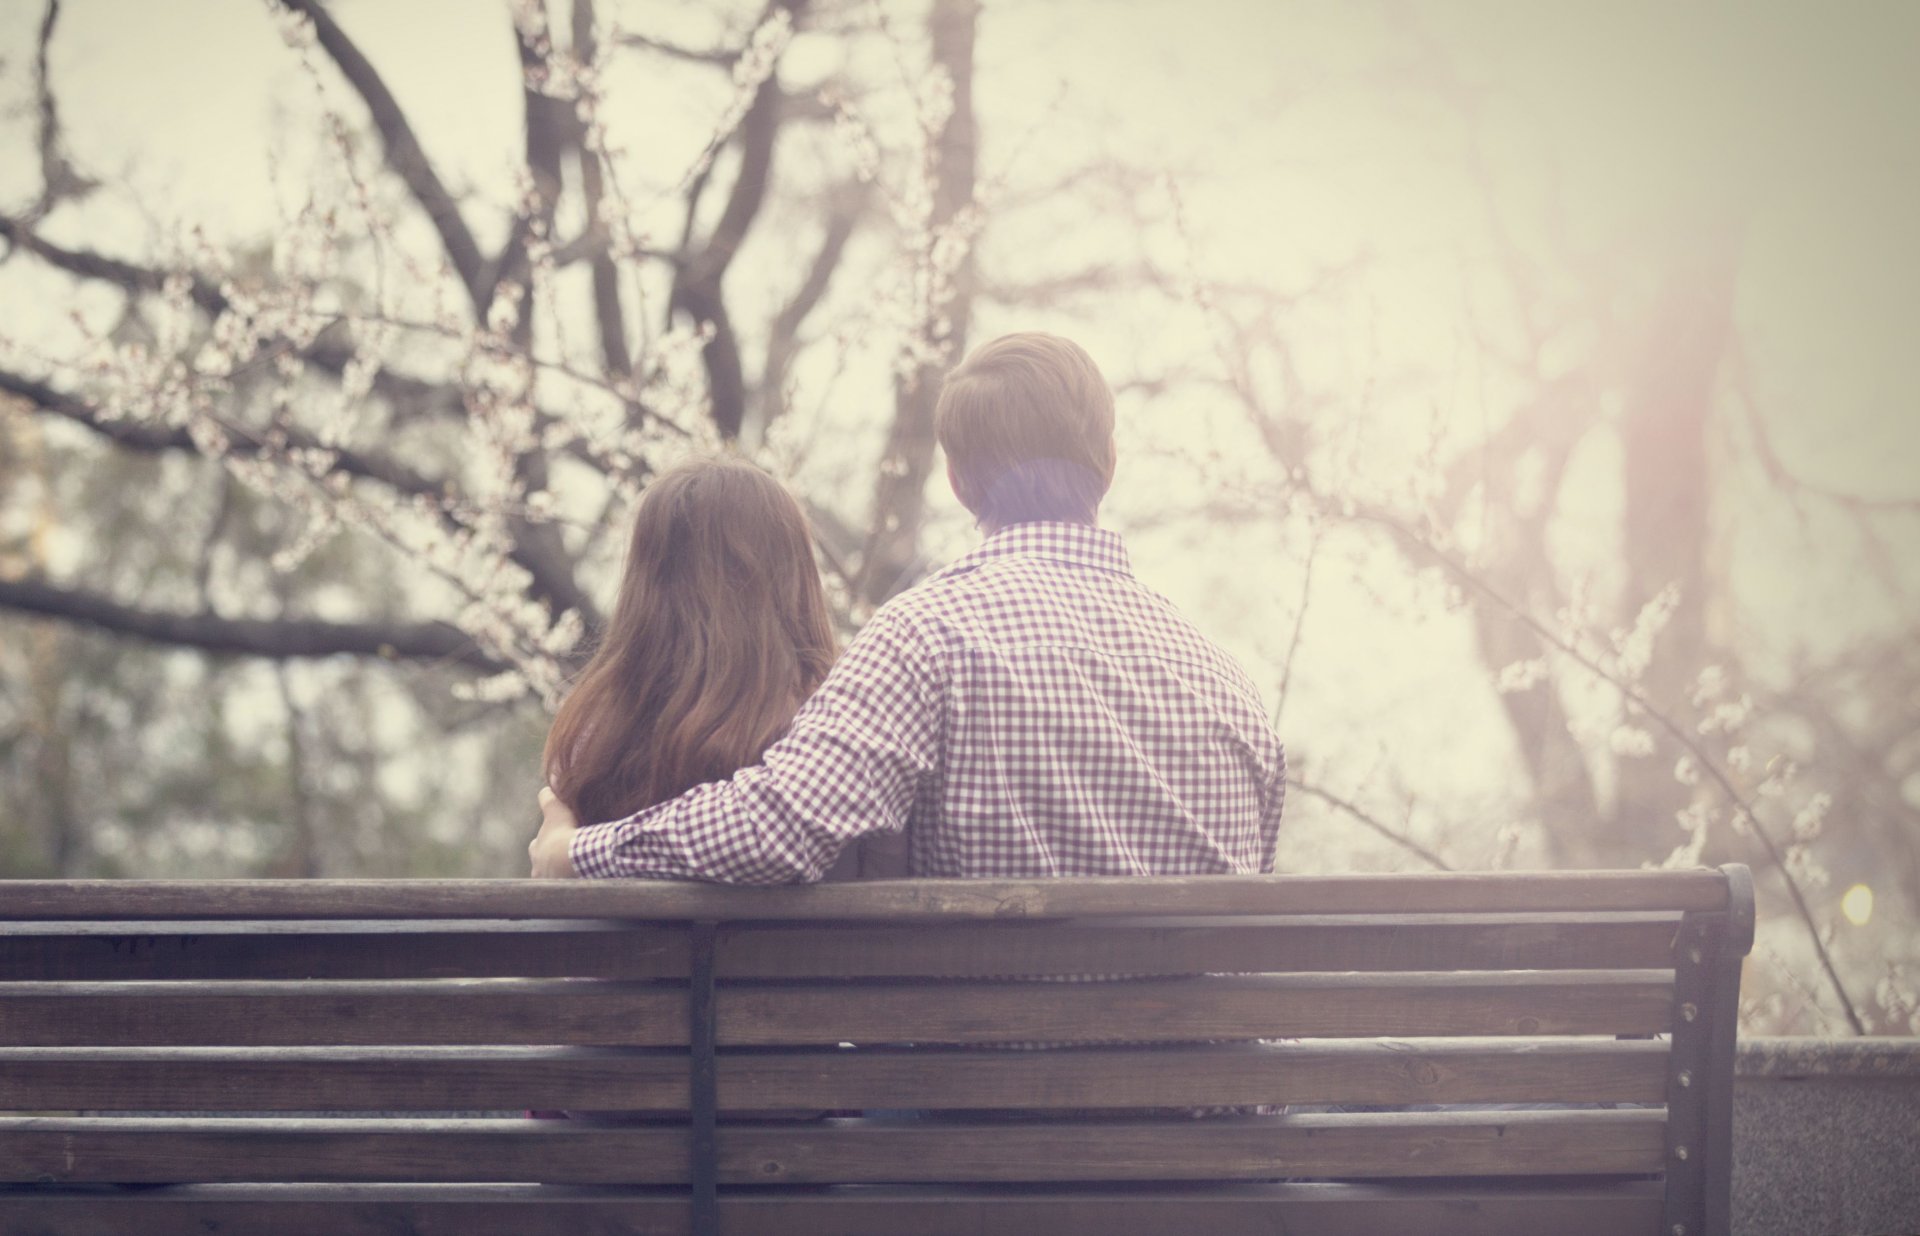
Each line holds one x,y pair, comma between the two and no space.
1273,802
851,763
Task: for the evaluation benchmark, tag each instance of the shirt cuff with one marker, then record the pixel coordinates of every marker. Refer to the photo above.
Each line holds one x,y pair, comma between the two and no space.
594,850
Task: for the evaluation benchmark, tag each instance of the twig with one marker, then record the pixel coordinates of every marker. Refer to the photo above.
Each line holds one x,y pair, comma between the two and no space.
1299,623
1283,451
404,153
1666,723
1391,834
277,638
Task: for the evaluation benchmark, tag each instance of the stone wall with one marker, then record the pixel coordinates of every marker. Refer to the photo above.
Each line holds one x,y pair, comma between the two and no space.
1826,1136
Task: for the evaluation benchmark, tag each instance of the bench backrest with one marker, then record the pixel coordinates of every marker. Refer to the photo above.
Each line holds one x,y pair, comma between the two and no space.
422,1017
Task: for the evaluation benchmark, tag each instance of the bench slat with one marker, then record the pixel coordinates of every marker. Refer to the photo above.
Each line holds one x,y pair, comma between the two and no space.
491,1079
509,1011
1226,945
291,1014
105,952
393,950
1318,1072
1418,893
1420,1144
1587,1209
1210,1007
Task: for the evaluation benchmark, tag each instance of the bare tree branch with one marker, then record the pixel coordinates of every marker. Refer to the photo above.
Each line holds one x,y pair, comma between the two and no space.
1553,423
722,57
1776,468
549,127
1362,816
1299,625
242,439
801,106
89,265
535,547
1048,291
610,319
1737,801
325,353
697,283
593,241
278,638
1285,449
808,107
783,336
900,496
59,179
404,154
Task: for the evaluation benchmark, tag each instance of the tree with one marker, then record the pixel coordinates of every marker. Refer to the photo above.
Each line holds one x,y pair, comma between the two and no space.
397,399
1642,712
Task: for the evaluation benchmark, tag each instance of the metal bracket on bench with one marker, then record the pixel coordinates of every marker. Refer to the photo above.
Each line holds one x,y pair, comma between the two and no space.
1695,956
703,1091
1735,942
1707,954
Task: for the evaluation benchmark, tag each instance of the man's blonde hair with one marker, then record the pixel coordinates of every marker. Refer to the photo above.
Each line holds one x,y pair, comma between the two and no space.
1027,424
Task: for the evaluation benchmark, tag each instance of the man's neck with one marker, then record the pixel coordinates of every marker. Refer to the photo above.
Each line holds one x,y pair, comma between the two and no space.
988,531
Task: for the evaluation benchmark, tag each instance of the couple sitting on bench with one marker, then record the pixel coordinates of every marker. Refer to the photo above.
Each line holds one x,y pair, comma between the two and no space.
1031,711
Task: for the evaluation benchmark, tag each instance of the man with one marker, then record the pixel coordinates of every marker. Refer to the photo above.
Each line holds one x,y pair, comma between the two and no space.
1032,710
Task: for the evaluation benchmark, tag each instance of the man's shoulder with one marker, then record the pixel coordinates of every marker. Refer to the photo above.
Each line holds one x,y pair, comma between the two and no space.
953,587
1019,595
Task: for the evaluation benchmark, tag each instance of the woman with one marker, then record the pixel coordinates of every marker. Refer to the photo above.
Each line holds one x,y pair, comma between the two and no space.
720,632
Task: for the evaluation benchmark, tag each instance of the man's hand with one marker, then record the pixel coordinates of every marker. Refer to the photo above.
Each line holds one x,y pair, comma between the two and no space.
549,850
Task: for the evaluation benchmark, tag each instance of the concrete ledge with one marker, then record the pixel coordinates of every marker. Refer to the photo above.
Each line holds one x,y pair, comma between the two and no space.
1826,1136
1802,1058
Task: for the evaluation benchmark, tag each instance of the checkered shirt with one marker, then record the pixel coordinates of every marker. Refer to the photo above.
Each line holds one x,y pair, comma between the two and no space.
1032,710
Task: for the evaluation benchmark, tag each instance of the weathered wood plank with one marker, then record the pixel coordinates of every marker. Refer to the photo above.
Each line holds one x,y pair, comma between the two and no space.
286,1014
587,1079
1225,945
1313,1072
600,949
1428,1209
342,950
1415,1144
1418,1144
305,1079
563,1012
1206,1007
1417,893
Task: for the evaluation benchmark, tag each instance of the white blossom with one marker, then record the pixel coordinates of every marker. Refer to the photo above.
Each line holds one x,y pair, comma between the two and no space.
1708,685
1519,676
1801,864
495,688
1727,717
1630,741
1812,816
1633,648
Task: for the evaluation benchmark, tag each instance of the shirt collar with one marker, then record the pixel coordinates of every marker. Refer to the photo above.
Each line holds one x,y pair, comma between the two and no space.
1075,544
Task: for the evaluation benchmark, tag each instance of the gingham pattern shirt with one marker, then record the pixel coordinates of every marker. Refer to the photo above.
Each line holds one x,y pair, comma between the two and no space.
1032,710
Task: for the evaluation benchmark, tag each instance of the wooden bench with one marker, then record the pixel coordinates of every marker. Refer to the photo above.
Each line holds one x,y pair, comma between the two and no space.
309,1025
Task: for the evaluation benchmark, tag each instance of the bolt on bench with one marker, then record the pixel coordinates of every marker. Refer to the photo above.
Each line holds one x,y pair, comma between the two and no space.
374,1002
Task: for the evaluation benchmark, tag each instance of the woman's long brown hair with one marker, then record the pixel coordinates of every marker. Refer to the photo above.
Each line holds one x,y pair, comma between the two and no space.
720,631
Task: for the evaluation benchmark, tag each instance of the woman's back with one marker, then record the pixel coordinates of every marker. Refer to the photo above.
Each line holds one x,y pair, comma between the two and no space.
719,633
